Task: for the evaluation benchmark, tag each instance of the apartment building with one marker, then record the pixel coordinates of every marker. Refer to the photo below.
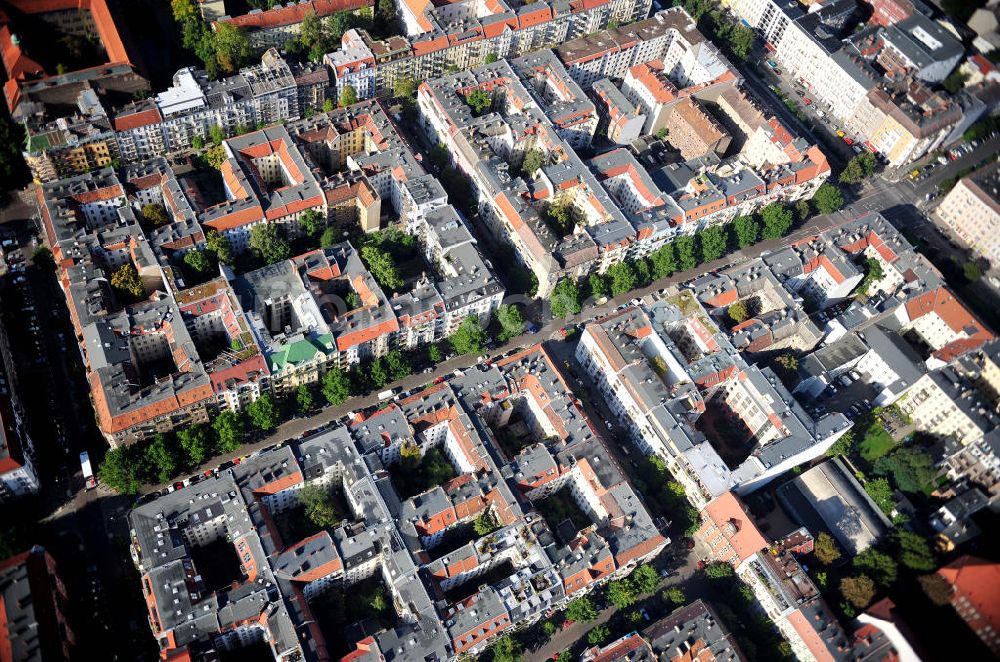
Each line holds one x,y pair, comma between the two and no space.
971,210
445,601
271,28
33,608
17,455
974,580
260,95
944,403
462,35
71,145
675,382
784,590
621,120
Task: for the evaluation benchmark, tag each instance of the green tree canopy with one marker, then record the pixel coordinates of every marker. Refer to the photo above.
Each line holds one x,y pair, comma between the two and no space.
911,469
490,58
511,322
747,230
264,412
42,257
777,220
913,550
469,338
382,267
155,214
533,160
826,548
230,430
623,278
232,48
566,298
126,282
160,458
506,649
714,242
663,261
348,96
598,635
219,244
581,610
828,199
198,262
881,567
336,386
485,523
397,365
319,506
120,470
196,444
479,100
645,578
621,593
858,590
404,87
858,168
687,252
600,285
738,312
311,221
267,242
305,400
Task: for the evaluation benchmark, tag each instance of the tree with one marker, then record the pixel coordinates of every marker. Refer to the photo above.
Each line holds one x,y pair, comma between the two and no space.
232,49
663,261
126,282
623,278
662,133
828,199
329,238
264,412
533,160
600,285
598,635
714,243
511,322
490,58
548,628
198,262
777,220
267,242
434,353
858,168
873,274
336,386
740,39
469,338
310,221
802,210
956,81
911,469
378,372
566,298
219,244
120,470
687,252
506,649
621,593
198,142
912,550
381,266
881,493
397,365
305,399
747,230
318,506
404,87
478,100
719,570
675,595
880,567
936,588
155,214
738,312
786,365
196,443
826,549
858,591
562,218
215,157
645,578
216,133
348,96
160,458
485,523
42,257
230,431
581,610
386,11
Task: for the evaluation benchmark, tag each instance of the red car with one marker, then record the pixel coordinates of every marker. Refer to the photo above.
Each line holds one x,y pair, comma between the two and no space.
848,140
439,380
807,100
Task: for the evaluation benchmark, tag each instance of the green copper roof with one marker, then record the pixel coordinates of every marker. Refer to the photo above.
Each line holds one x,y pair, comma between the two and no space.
301,351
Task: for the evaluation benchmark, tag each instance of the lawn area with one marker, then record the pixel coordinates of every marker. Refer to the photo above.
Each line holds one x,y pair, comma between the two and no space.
412,475
876,442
